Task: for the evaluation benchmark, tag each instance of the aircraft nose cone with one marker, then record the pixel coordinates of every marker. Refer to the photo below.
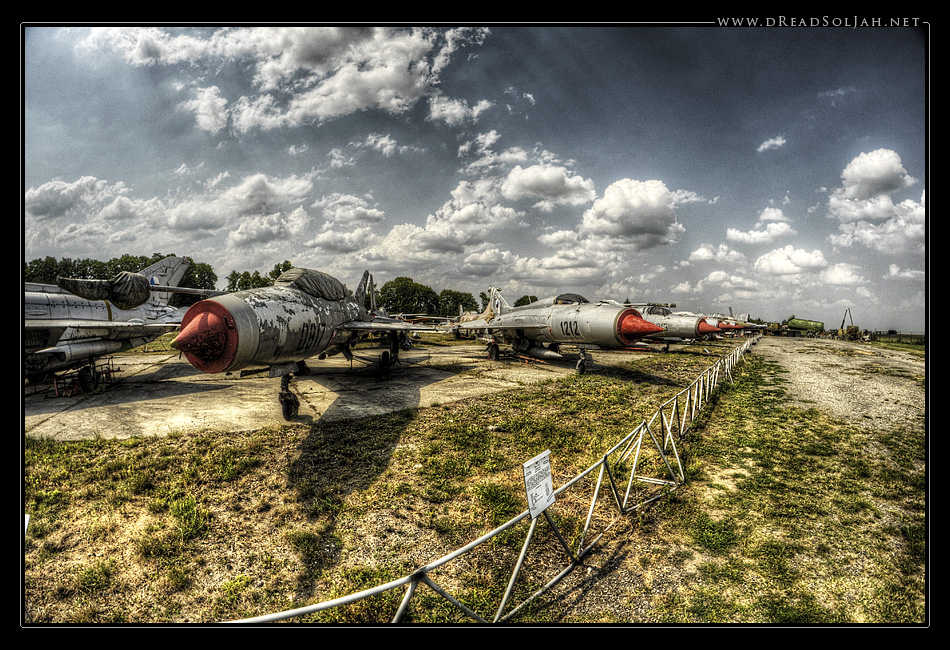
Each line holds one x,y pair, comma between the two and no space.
634,327
706,328
207,337
204,337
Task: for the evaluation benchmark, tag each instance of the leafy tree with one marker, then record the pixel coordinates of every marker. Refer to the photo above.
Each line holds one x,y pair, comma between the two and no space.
198,276
241,281
405,296
279,269
450,301
43,270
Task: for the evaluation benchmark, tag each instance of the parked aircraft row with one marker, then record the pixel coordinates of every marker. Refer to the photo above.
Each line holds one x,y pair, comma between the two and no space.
306,314
63,330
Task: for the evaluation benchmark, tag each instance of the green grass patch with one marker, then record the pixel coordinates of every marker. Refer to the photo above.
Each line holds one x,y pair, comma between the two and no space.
787,516
819,518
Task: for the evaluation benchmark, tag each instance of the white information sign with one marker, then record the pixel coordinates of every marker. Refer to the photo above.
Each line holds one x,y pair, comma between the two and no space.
538,484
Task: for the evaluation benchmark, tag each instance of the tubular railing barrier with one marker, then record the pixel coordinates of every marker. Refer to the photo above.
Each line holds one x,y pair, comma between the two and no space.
661,433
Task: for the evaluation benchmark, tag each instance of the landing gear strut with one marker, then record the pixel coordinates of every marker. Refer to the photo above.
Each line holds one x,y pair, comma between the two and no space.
289,402
88,378
582,363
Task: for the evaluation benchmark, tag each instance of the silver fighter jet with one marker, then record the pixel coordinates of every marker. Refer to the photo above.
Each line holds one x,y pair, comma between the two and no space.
72,324
676,328
541,328
276,329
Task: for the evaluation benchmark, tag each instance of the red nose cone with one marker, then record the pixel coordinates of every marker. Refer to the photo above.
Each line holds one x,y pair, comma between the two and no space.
633,327
208,336
705,328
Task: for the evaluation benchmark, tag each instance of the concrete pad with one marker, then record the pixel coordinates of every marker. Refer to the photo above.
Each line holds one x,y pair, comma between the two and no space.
158,394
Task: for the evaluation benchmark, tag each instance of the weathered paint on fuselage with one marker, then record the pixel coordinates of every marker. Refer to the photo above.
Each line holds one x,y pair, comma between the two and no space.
63,330
274,325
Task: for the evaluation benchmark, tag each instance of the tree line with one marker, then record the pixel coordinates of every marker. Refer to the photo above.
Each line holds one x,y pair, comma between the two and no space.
45,271
399,296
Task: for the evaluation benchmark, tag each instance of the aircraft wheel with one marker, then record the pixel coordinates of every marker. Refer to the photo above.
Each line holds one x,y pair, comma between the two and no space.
385,359
88,379
581,366
493,353
289,406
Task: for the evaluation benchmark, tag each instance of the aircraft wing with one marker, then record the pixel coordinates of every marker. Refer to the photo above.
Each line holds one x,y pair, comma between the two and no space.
87,329
383,325
482,324
479,324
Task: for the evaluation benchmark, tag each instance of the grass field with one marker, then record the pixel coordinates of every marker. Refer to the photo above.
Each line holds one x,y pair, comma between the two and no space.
786,516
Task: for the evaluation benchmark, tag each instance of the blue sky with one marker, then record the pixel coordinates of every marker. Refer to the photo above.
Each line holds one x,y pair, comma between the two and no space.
774,171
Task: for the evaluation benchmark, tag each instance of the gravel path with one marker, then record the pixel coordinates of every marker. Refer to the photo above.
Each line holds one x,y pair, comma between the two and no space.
856,383
859,384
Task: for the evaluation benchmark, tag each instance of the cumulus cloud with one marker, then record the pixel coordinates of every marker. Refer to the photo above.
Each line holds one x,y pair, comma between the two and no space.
347,211
482,157
895,272
257,230
549,185
209,109
772,232
772,214
790,261
720,253
256,209
455,111
302,74
873,174
904,231
728,285
345,242
639,214
866,211
75,200
348,224
842,275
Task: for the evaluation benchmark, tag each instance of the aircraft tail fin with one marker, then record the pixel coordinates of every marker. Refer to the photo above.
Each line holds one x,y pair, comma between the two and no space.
497,304
360,294
128,290
167,272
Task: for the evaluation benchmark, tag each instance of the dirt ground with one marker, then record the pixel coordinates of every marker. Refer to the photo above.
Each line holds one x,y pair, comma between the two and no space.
158,393
856,383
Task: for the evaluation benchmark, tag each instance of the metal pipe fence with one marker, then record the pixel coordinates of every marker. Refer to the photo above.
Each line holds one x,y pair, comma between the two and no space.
631,456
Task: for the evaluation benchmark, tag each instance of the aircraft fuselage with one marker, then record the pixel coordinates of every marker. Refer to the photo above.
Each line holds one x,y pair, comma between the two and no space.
265,327
586,324
63,331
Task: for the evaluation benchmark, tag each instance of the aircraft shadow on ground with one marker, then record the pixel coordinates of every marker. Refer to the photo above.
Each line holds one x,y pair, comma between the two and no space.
634,376
349,445
365,390
336,459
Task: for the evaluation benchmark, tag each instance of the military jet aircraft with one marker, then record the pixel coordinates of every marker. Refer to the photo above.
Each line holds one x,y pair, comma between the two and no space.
568,319
276,329
676,327
71,324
